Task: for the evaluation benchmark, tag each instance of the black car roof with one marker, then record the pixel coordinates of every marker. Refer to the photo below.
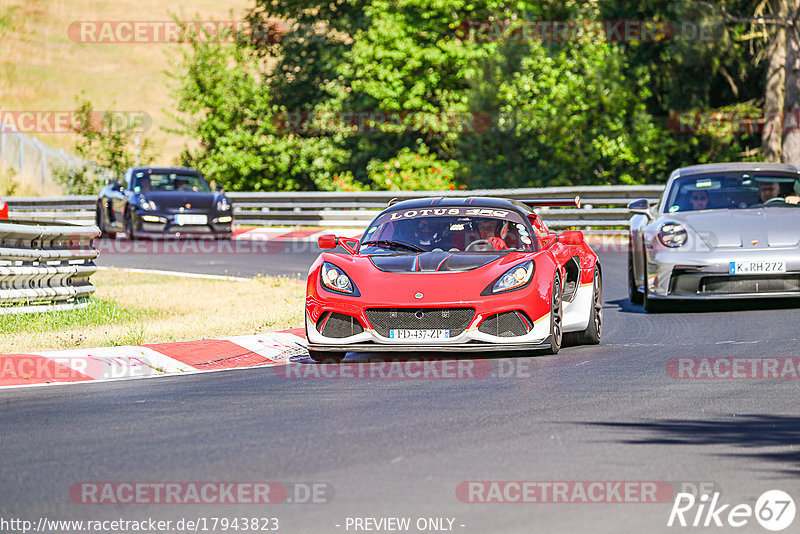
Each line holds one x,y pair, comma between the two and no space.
478,202
185,170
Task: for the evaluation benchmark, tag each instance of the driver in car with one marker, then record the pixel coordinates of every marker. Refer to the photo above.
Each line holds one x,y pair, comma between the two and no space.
768,191
488,230
425,234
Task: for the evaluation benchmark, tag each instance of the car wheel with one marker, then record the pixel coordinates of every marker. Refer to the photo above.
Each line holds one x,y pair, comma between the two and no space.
651,305
129,225
98,220
556,318
634,294
593,332
321,356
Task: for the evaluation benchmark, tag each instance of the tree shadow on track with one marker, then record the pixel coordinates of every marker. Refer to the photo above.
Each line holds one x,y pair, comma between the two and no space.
753,432
716,306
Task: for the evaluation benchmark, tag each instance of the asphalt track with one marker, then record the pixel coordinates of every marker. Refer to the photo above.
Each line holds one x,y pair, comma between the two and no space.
400,448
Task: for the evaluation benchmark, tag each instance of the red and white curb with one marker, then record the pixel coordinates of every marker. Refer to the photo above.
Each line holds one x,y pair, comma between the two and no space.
151,360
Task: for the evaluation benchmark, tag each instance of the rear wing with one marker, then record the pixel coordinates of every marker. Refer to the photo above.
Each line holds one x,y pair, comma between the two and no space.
535,202
552,202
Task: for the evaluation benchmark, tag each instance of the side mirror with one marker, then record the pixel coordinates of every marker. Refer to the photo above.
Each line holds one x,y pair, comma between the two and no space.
571,237
219,188
640,207
328,241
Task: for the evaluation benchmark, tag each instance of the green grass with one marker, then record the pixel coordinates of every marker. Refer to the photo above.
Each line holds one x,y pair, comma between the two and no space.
98,312
134,335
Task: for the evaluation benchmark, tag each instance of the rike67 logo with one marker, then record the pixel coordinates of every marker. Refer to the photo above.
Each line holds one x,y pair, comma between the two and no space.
774,510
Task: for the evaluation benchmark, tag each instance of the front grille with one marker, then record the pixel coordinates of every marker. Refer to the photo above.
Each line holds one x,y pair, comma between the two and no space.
507,324
454,319
338,325
732,285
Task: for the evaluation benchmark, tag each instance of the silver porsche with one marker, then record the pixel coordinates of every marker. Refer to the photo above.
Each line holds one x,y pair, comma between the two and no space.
727,230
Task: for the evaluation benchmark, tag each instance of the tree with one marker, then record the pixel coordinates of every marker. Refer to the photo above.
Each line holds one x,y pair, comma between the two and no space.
568,115
104,144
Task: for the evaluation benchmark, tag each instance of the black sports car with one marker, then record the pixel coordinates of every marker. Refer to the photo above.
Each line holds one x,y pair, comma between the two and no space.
167,201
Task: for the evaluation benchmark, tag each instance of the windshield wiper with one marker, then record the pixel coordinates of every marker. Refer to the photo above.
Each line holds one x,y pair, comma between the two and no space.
388,243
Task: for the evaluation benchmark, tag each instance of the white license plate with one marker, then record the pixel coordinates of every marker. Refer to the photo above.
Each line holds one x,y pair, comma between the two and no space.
757,267
185,219
419,334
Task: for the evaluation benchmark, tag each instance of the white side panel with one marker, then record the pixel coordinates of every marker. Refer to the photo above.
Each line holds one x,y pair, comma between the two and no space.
577,312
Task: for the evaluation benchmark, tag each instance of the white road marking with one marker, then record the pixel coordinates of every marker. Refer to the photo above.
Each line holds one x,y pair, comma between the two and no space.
179,274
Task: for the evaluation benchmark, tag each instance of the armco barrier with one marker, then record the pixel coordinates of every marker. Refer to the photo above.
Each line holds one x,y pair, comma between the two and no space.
45,267
602,206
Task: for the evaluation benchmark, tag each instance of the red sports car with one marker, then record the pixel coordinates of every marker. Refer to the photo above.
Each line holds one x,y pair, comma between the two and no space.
454,274
3,209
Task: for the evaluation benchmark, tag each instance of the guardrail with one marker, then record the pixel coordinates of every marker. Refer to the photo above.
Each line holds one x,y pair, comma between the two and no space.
45,268
602,206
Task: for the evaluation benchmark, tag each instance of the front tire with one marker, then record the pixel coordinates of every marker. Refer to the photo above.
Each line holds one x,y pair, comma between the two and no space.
556,318
98,220
129,225
651,305
635,296
321,356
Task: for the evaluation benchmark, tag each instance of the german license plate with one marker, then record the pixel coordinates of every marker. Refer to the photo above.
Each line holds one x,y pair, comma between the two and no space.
190,219
419,334
757,267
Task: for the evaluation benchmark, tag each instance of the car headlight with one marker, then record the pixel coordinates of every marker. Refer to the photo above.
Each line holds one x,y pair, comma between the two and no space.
147,205
223,204
672,235
334,279
514,278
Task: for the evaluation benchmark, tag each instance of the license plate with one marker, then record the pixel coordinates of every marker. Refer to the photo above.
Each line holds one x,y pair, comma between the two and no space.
757,267
183,219
419,334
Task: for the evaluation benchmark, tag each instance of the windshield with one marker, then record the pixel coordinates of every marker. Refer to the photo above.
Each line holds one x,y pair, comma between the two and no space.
447,229
144,182
719,191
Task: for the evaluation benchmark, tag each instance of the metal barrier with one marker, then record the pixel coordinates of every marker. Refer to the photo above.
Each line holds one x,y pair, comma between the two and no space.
602,206
45,268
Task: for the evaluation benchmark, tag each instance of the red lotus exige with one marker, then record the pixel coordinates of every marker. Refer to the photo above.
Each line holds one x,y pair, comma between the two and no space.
446,274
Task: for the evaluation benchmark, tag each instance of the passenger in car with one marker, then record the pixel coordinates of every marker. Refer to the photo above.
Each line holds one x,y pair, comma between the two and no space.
698,200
